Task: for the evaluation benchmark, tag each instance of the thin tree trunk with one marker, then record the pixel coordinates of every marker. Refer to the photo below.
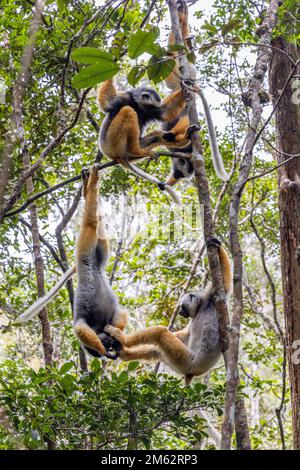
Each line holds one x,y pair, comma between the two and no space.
252,98
240,415
39,268
40,278
288,141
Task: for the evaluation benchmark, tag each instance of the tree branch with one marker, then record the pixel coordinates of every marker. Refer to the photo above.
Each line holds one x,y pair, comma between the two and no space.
15,132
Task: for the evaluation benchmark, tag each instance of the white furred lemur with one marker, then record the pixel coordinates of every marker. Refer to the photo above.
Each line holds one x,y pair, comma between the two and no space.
180,126
127,115
95,305
191,351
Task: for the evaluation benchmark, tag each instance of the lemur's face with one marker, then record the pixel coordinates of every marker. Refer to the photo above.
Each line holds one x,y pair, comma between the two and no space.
146,97
189,305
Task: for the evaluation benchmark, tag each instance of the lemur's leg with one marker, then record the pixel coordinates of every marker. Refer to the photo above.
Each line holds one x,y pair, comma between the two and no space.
124,133
92,234
171,347
146,353
106,93
152,139
87,240
173,80
103,250
183,334
224,262
177,134
172,106
180,135
88,337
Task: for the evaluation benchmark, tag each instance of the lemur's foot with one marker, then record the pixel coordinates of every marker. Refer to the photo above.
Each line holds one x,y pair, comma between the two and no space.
94,169
115,333
85,173
213,241
161,185
169,136
112,346
192,128
182,8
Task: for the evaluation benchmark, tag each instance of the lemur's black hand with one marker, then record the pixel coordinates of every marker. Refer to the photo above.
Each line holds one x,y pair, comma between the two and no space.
112,345
192,128
161,186
85,173
169,136
213,241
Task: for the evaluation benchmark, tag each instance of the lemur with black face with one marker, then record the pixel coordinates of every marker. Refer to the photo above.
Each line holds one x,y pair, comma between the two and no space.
191,351
128,113
95,305
179,130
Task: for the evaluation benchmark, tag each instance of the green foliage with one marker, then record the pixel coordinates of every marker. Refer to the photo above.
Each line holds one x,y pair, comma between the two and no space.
143,41
103,68
129,409
288,25
150,269
6,441
158,70
90,76
135,75
91,55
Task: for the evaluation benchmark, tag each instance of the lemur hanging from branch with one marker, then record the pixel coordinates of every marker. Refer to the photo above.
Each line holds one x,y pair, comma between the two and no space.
180,126
191,351
95,305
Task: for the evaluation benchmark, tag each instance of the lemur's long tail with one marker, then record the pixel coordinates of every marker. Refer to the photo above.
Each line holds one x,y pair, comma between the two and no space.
216,157
152,179
35,308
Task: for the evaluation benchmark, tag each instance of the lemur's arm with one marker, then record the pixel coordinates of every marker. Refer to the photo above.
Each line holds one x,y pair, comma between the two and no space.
224,262
226,270
173,80
172,106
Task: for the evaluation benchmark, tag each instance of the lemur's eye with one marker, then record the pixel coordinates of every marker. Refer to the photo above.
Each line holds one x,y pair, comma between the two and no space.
145,96
192,296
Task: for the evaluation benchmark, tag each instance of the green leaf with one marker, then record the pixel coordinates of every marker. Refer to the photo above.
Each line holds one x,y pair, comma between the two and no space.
158,71
133,365
232,24
95,365
62,5
97,73
66,367
142,41
176,47
91,55
135,74
209,27
123,376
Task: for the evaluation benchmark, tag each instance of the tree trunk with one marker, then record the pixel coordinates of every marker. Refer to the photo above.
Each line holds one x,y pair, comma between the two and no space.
288,142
